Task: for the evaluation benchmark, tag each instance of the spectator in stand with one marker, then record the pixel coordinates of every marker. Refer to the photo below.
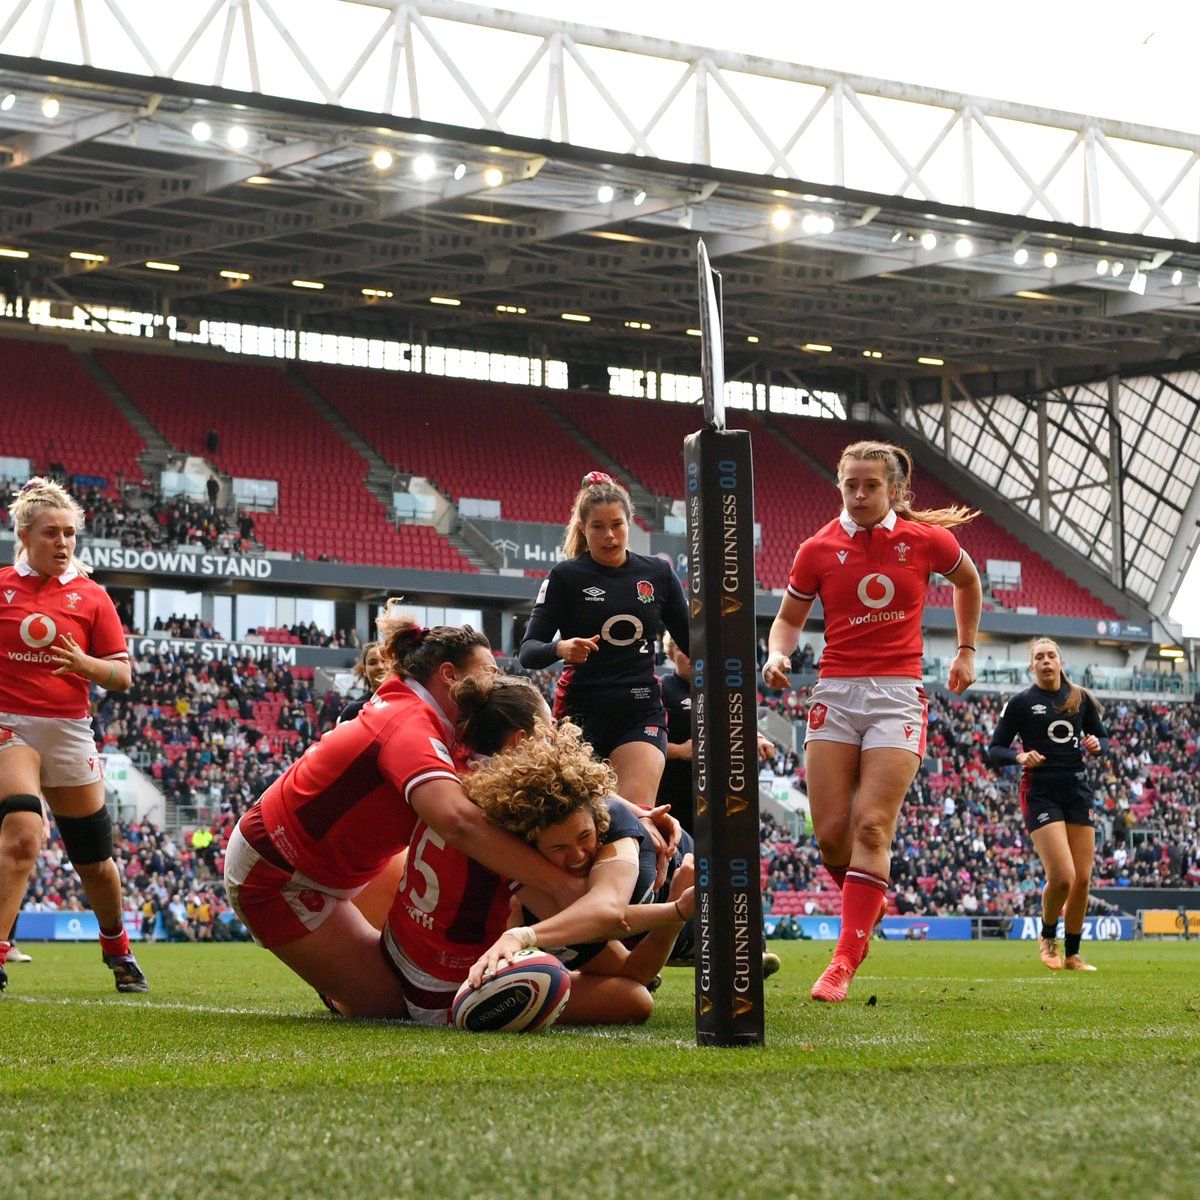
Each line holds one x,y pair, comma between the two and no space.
60,634
600,610
1057,722
866,722
370,672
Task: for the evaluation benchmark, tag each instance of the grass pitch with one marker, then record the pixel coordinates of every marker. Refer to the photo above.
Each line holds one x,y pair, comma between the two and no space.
975,1073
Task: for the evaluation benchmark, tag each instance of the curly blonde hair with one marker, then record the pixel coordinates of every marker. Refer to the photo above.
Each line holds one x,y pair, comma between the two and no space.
541,782
37,495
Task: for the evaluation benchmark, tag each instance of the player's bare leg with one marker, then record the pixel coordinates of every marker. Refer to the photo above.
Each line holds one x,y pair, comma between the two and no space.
884,775
21,832
1054,851
1082,842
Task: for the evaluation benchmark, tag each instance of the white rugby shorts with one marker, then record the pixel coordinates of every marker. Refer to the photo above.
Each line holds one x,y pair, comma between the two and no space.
870,712
65,744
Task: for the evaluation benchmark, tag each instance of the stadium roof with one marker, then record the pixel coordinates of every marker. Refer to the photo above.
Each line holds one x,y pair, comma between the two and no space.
991,265
118,172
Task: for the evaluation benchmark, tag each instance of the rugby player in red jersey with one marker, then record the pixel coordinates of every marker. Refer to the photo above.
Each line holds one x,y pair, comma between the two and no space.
59,634
867,714
337,817
544,786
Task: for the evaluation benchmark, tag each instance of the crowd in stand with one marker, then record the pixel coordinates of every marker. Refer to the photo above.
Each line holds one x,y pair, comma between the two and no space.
960,846
213,735
144,520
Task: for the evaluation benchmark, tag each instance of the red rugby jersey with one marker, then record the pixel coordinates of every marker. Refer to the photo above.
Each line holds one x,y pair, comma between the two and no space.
448,909
872,587
341,811
35,611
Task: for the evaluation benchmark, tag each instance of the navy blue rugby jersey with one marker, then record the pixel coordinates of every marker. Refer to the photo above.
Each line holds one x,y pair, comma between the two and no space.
1033,715
627,606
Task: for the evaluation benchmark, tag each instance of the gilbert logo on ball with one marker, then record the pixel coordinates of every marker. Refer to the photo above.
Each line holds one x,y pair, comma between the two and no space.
528,992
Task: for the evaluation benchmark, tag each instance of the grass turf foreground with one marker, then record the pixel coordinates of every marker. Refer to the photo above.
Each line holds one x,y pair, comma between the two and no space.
973,1073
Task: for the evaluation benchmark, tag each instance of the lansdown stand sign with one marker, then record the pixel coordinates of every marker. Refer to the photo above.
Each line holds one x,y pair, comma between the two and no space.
176,562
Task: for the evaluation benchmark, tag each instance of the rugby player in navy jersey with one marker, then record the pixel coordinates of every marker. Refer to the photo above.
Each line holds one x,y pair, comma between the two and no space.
600,611
1056,720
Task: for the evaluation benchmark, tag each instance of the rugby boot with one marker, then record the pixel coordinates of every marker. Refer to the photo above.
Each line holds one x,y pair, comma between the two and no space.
1048,949
126,973
835,981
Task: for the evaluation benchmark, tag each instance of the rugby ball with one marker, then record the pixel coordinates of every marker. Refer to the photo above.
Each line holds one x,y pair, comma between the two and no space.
527,993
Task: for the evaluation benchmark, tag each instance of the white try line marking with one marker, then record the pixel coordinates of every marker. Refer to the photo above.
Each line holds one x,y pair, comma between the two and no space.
110,1001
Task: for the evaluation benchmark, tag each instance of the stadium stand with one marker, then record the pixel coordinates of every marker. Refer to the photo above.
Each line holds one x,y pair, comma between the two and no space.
960,848
267,430
56,416
468,439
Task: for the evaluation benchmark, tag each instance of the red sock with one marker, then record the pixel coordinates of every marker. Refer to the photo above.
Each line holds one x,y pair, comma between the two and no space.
838,874
5,947
114,944
861,899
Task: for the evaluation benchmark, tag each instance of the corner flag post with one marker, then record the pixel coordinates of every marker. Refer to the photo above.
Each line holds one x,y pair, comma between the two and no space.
719,487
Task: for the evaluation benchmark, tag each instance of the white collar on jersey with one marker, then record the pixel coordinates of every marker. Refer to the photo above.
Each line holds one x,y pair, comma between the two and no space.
425,694
23,568
851,527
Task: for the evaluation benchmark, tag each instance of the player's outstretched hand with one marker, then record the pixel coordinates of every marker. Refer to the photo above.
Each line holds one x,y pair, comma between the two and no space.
500,951
576,650
681,892
962,672
774,670
663,830
70,658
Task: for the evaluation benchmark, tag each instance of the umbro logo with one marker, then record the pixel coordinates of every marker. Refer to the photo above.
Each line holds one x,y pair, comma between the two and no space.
594,593
9,594
841,556
1039,709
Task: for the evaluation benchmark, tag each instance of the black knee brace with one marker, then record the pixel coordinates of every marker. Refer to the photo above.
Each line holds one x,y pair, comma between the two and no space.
21,802
87,839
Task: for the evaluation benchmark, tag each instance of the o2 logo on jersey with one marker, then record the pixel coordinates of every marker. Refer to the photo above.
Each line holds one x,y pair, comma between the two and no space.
1061,732
606,630
876,591
38,630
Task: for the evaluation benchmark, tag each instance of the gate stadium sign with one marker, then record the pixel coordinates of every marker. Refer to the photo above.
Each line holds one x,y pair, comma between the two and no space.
176,562
332,658
147,647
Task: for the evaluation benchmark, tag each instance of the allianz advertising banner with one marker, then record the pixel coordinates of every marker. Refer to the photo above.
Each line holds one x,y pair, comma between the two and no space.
1095,929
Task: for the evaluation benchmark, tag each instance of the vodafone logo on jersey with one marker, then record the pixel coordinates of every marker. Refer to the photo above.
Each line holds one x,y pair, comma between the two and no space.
38,630
876,591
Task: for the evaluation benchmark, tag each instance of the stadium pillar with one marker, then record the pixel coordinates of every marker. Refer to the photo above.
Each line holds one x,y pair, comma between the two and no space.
720,511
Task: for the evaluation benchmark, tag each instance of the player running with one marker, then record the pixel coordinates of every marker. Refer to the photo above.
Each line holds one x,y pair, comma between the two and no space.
1057,721
867,717
59,634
